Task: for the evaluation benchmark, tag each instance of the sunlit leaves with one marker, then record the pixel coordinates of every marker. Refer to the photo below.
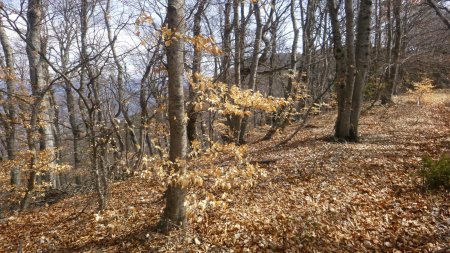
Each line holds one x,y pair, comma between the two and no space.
39,161
232,100
422,87
200,42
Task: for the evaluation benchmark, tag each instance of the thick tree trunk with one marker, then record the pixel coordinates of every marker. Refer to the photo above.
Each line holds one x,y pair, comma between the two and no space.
362,63
339,56
174,213
11,86
37,80
343,125
40,117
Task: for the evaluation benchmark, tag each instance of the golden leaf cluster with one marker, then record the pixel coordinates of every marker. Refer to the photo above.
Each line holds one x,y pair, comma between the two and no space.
421,88
200,42
227,101
39,161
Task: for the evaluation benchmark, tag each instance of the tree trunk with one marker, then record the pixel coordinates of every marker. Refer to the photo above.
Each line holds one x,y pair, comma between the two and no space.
94,122
226,43
343,125
291,80
175,212
386,96
37,80
339,56
308,40
362,63
377,42
397,44
196,69
40,117
253,67
71,110
235,121
11,83
273,53
56,131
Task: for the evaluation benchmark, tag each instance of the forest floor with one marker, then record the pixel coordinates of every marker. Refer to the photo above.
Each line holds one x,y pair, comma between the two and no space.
314,196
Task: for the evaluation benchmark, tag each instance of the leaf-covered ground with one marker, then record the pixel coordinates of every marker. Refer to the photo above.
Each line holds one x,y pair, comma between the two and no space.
316,196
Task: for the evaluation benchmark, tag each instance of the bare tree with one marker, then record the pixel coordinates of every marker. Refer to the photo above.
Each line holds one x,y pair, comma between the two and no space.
253,66
196,69
342,130
175,212
10,119
39,119
226,42
362,56
235,121
293,49
397,44
445,19
339,55
65,33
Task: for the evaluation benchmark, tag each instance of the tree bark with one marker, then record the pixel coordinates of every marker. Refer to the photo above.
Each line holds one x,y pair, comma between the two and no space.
362,63
308,40
235,121
175,212
397,44
377,41
40,117
343,125
37,80
196,69
339,56
70,101
386,95
226,43
273,53
11,86
294,46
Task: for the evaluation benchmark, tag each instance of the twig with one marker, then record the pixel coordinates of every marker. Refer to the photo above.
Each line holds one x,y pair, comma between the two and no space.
73,217
305,116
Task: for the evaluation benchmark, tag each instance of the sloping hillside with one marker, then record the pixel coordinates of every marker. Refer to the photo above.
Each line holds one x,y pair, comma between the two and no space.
311,195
